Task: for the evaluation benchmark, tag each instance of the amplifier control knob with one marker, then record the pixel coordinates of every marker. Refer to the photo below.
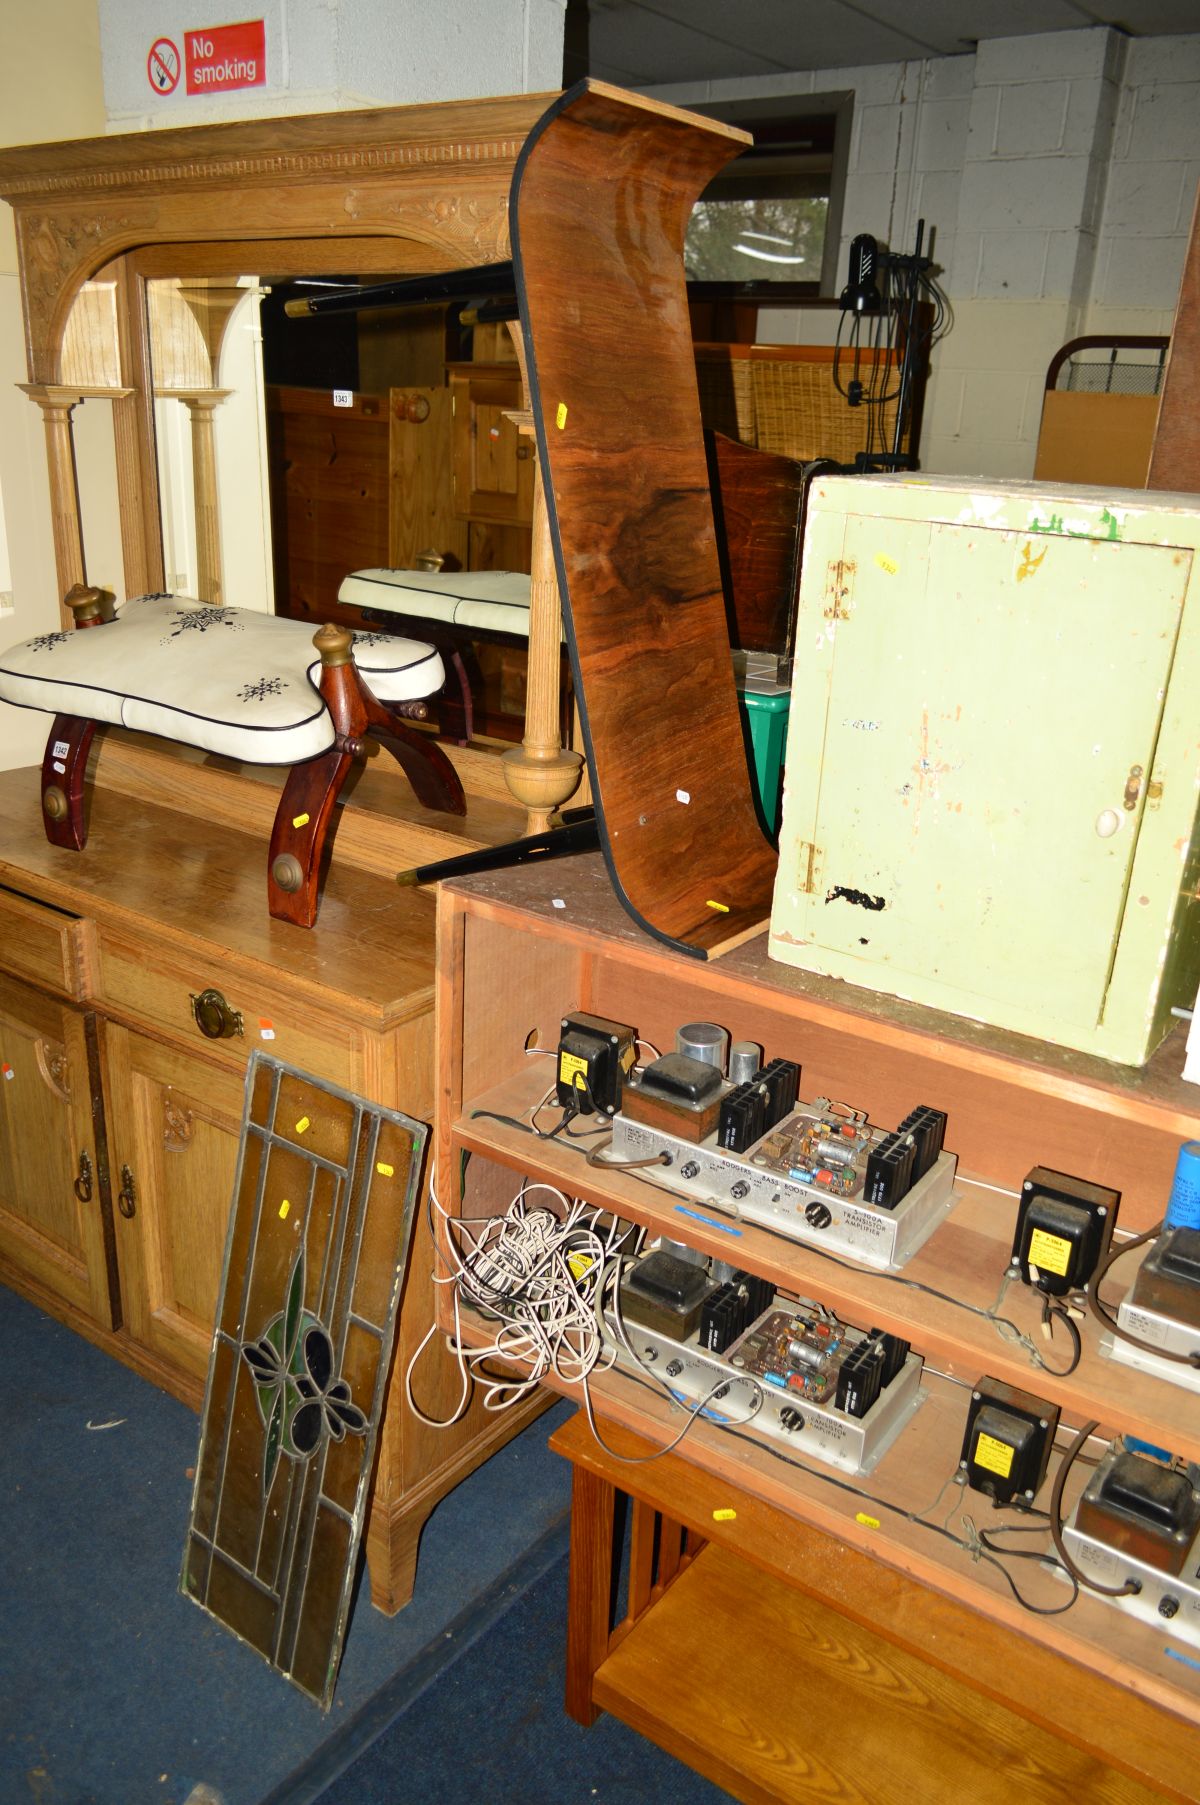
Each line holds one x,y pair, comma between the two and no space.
691,1170
1168,1606
674,1368
740,1189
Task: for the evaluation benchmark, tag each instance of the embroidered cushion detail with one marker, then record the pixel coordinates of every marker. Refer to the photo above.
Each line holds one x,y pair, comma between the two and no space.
180,669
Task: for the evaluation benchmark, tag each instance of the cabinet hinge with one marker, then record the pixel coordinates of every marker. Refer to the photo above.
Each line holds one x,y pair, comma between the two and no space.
839,588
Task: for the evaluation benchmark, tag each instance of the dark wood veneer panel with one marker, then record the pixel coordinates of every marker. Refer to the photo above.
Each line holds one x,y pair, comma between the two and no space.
601,200
1175,454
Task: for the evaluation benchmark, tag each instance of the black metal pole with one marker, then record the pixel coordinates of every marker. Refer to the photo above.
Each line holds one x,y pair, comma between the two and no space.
485,282
579,833
915,265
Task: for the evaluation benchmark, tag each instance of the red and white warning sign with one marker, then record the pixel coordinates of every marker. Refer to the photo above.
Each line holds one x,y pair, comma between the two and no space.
162,66
226,56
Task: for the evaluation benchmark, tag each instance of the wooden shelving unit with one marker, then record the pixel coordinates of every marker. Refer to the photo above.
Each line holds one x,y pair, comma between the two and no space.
519,949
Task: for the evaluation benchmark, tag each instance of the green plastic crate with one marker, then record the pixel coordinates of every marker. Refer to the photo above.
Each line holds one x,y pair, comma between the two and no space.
764,705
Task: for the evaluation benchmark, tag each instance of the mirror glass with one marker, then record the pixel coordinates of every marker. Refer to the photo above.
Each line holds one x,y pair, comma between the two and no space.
210,432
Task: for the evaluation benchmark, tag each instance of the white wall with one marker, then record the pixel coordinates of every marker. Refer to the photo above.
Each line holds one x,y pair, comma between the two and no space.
1058,172
1152,184
40,98
328,54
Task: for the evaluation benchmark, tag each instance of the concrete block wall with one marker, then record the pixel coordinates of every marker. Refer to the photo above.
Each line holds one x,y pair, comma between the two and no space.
1153,177
1057,173
1034,172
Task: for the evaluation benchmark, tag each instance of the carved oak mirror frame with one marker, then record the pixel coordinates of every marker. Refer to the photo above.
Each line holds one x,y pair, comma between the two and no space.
396,190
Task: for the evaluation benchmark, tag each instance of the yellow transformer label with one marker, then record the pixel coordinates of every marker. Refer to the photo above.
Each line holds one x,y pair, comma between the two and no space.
995,1455
571,1067
1049,1253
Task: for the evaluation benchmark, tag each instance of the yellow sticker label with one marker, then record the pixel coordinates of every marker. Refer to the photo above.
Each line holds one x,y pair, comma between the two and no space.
995,1456
886,563
580,1264
301,820
867,1522
560,415
570,1066
1029,565
724,1516
1049,1253
302,1124
284,1207
384,1170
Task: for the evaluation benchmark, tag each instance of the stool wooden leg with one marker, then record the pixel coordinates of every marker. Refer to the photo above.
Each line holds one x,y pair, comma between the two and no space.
64,767
435,782
589,1589
305,813
298,836
456,704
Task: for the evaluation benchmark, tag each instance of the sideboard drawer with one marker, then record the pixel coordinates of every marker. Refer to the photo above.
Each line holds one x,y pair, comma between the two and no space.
154,988
41,943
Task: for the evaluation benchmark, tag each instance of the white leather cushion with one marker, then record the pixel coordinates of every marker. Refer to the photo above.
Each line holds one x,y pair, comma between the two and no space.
229,680
497,600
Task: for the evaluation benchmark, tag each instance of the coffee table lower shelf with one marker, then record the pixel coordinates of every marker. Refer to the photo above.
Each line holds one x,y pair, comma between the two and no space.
785,1666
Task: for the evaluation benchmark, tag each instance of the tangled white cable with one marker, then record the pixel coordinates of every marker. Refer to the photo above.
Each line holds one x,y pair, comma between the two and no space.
537,1274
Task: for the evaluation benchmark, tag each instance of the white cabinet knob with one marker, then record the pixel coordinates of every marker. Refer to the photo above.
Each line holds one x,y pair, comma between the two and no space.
1107,823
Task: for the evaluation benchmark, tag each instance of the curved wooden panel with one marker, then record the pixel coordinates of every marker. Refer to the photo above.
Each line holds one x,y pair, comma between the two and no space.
601,200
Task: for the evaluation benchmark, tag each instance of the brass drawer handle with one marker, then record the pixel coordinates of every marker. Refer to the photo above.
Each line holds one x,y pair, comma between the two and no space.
127,1195
214,1017
83,1183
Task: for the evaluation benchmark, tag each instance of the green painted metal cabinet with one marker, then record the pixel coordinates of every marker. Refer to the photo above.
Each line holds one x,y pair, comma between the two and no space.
993,766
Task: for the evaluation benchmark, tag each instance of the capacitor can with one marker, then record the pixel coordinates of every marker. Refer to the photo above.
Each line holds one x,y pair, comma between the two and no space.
745,1059
1183,1205
704,1041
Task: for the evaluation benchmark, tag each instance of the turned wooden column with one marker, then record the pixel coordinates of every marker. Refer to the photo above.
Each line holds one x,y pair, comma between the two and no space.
56,405
201,404
541,772
57,402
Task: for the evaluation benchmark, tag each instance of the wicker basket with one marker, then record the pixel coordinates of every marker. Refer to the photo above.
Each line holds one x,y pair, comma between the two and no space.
782,398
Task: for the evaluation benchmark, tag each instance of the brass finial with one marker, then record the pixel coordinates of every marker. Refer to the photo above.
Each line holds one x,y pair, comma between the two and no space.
334,644
85,603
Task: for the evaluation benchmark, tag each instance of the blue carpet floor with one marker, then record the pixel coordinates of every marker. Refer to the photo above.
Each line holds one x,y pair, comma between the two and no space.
116,1690
499,1707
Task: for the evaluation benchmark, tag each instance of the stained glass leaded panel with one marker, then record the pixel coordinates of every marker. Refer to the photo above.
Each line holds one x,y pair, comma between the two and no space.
315,1256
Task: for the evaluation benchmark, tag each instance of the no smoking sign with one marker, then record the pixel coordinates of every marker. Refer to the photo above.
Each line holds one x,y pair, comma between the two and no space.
162,66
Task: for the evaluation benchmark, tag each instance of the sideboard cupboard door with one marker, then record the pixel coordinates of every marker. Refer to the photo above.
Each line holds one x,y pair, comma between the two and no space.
174,1122
52,1229
493,465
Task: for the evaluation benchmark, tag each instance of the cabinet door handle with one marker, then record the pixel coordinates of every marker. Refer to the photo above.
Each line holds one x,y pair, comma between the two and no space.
214,1017
127,1195
83,1182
